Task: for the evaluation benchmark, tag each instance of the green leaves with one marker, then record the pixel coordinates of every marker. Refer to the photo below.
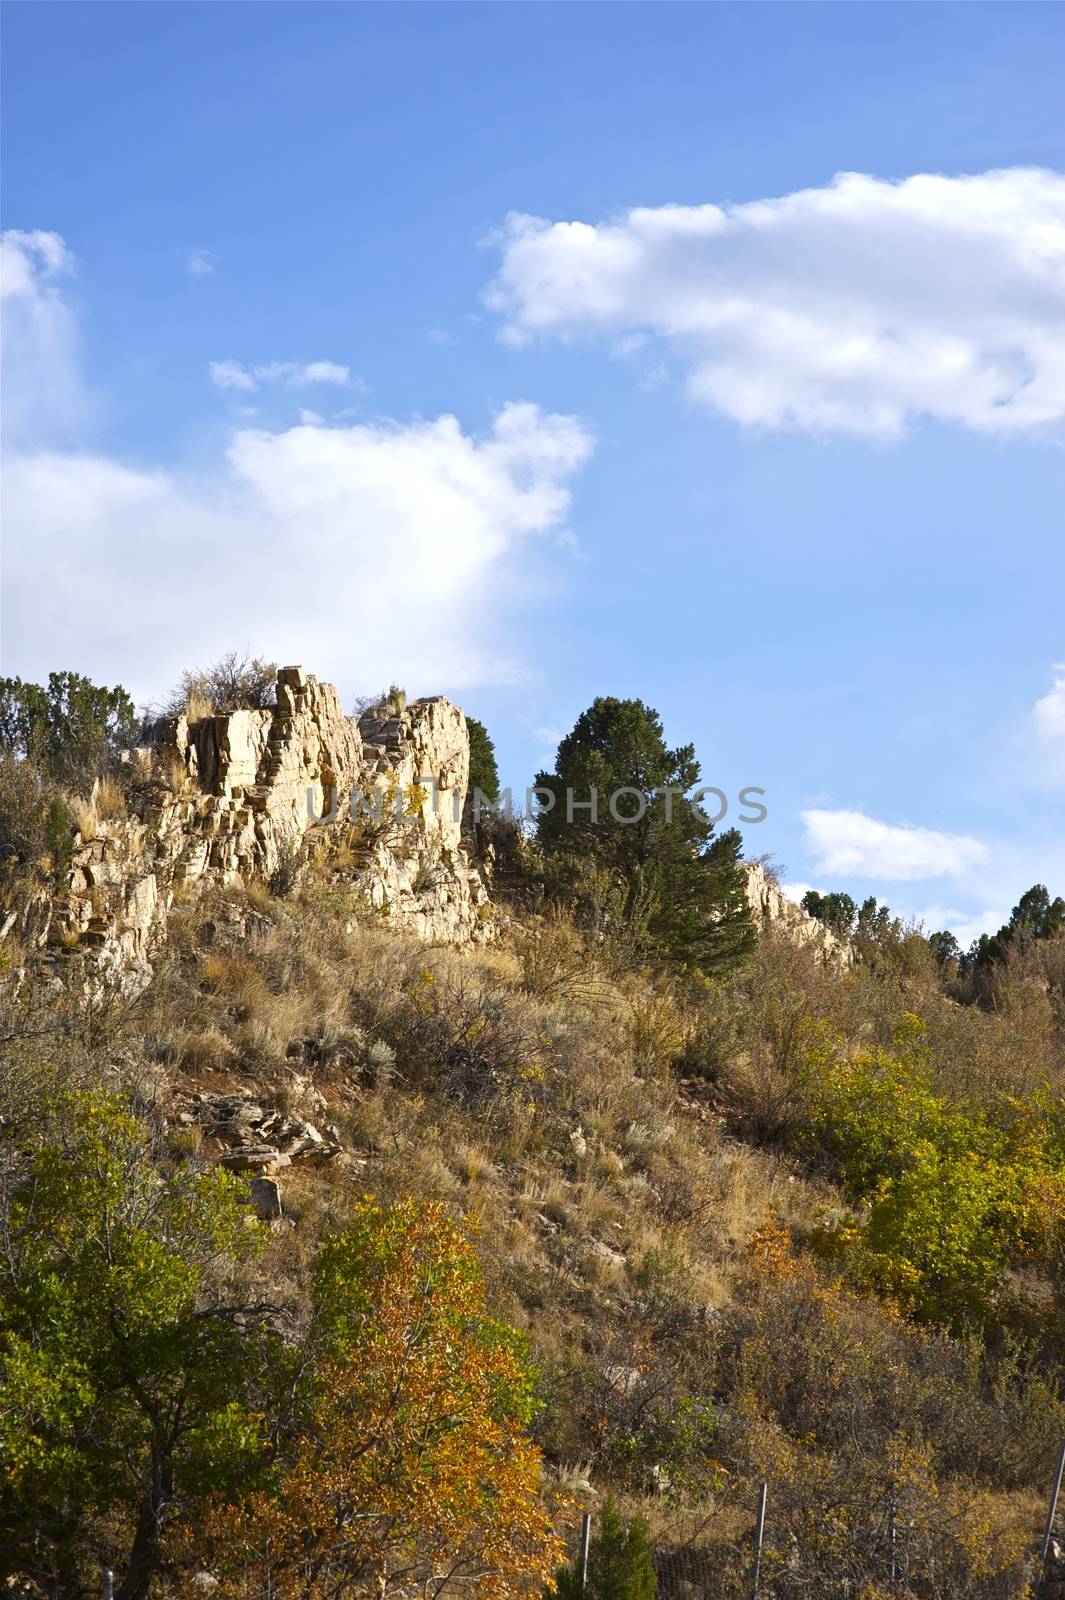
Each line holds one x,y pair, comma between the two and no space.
484,774
126,1379
953,1192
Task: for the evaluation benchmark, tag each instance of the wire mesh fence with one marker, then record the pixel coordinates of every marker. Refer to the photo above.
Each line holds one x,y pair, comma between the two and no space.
753,1545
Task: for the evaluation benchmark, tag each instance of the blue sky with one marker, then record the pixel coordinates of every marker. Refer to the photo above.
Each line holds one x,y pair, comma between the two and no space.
793,473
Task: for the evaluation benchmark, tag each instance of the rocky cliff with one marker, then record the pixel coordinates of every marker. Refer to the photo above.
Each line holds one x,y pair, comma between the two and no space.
233,798
774,912
249,795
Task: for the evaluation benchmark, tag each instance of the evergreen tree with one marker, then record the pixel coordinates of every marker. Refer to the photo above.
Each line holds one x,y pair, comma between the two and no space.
872,926
838,912
1034,917
681,890
68,727
484,774
620,1565
945,947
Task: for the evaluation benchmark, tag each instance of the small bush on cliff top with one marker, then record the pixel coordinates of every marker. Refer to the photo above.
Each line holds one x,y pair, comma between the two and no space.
234,682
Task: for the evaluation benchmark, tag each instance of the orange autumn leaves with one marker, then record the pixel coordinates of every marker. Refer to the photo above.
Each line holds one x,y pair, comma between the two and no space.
405,1461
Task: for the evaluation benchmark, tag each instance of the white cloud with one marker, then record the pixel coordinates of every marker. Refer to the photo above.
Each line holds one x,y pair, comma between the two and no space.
1048,714
42,388
366,551
852,308
795,891
851,844
294,374
361,551
964,925
199,264
31,261
231,375
321,372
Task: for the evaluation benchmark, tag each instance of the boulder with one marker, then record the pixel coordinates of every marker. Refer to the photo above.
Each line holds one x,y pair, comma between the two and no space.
266,1198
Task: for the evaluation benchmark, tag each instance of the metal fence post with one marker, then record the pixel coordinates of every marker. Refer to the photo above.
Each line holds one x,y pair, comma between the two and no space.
586,1534
759,1535
1048,1531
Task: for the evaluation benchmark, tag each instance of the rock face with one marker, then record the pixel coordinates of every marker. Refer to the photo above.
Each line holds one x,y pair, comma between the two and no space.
247,795
774,912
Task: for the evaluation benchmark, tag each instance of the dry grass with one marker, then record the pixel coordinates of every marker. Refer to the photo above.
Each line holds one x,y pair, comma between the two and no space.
84,817
110,799
198,707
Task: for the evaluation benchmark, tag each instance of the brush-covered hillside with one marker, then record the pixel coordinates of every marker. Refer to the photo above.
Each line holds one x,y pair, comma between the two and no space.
433,1181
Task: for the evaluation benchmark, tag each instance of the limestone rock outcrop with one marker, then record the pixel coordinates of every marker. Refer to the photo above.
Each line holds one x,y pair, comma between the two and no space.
773,912
248,794
246,1136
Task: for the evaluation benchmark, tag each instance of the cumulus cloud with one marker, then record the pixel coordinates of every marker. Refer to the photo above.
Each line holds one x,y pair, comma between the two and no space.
362,550
853,308
1048,713
851,844
43,392
293,374
347,548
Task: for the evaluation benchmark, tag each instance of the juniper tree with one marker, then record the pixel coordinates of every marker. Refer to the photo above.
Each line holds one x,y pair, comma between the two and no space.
69,726
1035,917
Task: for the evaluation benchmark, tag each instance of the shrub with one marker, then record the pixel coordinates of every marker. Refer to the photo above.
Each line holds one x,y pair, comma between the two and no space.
72,728
388,702
59,837
954,1192
409,1459
286,873
127,1371
24,809
234,682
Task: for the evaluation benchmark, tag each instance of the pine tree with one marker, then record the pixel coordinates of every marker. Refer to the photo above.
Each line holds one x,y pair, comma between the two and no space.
681,890
1035,917
484,774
